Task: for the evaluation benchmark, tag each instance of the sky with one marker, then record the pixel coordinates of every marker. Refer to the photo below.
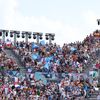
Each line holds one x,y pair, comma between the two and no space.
70,20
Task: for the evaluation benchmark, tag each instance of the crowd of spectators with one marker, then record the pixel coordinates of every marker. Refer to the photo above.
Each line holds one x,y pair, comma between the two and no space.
78,58
66,89
71,57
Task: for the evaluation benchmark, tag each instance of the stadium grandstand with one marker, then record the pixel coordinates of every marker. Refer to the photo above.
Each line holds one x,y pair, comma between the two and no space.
46,71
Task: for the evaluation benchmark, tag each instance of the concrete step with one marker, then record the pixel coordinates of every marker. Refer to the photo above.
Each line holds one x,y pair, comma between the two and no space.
93,96
10,53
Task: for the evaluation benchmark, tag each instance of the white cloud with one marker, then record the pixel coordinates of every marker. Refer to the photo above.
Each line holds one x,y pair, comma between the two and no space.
13,19
90,18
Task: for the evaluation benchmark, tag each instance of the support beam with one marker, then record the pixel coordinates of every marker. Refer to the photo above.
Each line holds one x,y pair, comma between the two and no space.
38,36
26,35
4,34
15,35
50,37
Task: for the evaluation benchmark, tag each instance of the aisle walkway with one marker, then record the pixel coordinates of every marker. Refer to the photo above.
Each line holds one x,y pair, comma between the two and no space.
10,53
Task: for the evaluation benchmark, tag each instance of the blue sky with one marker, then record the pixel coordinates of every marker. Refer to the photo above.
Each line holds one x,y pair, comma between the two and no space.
70,20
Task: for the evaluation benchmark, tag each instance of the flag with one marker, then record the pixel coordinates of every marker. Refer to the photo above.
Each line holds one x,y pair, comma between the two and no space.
34,56
34,46
42,42
46,66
